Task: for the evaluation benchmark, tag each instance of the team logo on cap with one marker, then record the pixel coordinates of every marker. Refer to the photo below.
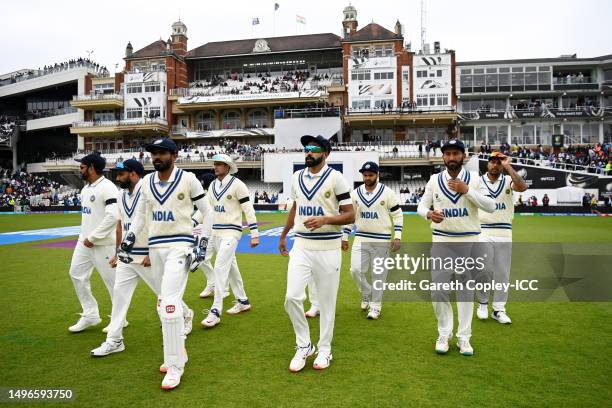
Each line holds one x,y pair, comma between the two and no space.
367,166
92,198
158,141
327,194
452,141
229,196
181,196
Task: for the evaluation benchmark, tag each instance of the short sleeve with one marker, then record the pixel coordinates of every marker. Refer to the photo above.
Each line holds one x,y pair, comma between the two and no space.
197,191
342,191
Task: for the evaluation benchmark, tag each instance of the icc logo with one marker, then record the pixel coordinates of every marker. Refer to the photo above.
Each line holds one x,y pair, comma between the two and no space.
229,197
92,198
327,194
508,191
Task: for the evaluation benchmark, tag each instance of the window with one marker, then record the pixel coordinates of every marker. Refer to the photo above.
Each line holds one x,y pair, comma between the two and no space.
422,100
387,103
134,113
432,100
363,104
152,87
154,112
231,120
257,118
442,99
388,50
422,74
439,73
383,75
378,51
205,121
134,88
360,75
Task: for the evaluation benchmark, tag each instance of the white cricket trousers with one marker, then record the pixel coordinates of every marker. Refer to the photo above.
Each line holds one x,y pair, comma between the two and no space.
83,261
499,263
171,264
441,298
226,269
324,269
362,257
126,281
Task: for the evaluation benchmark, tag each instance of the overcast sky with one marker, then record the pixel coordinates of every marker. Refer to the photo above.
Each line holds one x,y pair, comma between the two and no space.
39,32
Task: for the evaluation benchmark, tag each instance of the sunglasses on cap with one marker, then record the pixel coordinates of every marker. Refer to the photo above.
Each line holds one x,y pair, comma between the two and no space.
313,149
120,166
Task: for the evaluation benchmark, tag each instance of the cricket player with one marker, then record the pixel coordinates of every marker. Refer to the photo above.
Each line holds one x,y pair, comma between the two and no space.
497,231
322,203
130,269
378,217
228,197
96,244
455,197
165,206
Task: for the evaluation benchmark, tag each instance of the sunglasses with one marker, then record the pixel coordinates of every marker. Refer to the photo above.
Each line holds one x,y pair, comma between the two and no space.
313,149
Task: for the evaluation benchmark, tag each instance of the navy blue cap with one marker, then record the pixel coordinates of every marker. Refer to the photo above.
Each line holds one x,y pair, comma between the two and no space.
162,144
130,165
453,143
98,162
320,140
369,166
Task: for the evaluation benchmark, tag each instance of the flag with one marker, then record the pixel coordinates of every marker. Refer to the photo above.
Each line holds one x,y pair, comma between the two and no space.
256,21
300,19
276,6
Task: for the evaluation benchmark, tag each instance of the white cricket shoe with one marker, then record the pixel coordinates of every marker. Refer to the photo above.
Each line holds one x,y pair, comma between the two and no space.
365,303
105,330
312,312
208,292
239,307
465,349
83,323
501,317
212,319
322,361
108,347
299,359
172,378
188,321
482,312
442,344
374,313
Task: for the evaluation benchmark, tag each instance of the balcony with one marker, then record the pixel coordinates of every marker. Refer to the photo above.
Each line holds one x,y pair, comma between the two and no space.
155,126
403,116
190,133
98,101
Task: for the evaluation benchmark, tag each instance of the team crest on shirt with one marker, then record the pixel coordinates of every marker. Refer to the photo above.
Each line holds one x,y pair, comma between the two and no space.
382,202
181,196
92,198
327,194
229,196
507,191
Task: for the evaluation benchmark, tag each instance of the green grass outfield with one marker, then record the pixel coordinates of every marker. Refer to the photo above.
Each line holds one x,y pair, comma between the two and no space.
554,354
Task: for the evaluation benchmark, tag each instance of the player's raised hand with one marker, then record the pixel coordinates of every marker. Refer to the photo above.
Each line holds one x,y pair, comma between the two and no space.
436,216
458,185
313,223
282,247
254,242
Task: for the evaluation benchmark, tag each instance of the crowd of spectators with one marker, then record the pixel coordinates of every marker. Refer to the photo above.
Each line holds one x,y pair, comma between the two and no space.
57,67
265,198
592,158
7,127
23,189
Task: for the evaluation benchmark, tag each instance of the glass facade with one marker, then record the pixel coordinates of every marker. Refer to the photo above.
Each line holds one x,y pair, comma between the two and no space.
505,79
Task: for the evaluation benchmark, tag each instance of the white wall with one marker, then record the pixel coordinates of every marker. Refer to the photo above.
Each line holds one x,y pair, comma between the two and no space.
287,132
54,121
432,84
372,89
145,100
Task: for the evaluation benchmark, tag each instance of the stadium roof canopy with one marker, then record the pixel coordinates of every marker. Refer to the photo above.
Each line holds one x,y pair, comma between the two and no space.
254,46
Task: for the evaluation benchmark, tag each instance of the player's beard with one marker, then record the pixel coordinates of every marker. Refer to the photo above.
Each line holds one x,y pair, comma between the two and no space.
312,162
160,165
125,184
453,165
370,183
84,176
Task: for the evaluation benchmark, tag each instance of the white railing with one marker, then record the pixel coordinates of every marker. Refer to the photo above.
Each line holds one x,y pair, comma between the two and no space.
96,97
123,122
577,168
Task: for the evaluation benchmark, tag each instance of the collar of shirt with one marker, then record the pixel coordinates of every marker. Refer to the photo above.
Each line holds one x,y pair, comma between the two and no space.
156,179
95,183
311,175
460,176
493,182
226,179
373,191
